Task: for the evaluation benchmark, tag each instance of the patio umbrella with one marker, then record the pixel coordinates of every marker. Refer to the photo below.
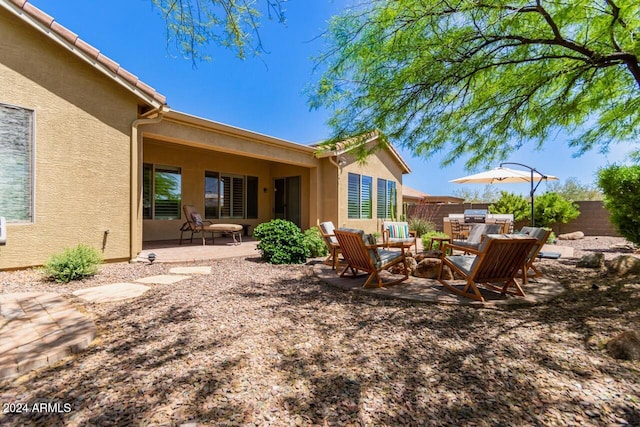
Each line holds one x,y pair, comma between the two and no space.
502,175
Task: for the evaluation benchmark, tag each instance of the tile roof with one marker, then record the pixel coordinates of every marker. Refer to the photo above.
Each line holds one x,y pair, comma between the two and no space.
85,49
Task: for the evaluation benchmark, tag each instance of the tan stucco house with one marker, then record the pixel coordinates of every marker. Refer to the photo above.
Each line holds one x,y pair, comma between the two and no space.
90,154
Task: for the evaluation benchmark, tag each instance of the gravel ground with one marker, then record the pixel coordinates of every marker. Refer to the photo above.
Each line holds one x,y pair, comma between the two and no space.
256,344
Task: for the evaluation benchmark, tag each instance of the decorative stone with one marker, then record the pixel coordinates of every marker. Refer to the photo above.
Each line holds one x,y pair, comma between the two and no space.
411,265
625,346
428,269
594,260
623,265
576,235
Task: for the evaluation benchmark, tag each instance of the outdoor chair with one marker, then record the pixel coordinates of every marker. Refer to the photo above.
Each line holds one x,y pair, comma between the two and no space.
195,224
398,232
327,230
494,266
477,233
541,235
459,231
361,254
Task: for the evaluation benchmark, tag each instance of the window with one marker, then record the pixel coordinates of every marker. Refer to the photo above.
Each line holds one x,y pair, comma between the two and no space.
387,202
230,196
359,196
16,163
162,192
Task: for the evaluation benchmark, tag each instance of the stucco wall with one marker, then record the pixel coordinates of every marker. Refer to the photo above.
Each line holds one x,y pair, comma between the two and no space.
380,165
82,161
593,219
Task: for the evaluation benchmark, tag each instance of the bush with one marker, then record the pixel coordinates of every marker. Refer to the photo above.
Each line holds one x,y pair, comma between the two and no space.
281,242
551,208
314,243
621,198
73,264
421,225
511,203
426,238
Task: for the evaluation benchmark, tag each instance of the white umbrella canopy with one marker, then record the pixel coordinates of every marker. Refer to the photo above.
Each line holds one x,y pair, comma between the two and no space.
503,175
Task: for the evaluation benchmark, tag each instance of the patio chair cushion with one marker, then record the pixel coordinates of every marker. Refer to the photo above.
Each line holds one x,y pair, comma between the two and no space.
398,230
328,229
463,262
366,239
197,219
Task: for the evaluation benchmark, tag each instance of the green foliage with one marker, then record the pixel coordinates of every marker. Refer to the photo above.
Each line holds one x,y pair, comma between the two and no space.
314,243
420,225
552,238
511,203
73,264
489,194
551,208
478,80
572,189
281,242
620,186
426,238
192,25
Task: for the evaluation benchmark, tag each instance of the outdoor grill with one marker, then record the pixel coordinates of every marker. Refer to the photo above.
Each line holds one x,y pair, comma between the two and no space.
475,215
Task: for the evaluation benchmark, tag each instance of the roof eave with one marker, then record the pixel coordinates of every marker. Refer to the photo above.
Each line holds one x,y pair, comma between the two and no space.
67,39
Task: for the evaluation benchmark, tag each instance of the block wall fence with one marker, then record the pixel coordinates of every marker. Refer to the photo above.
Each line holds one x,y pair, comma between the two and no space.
593,219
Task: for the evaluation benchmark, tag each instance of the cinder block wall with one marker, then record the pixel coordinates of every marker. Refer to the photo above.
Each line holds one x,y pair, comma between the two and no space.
593,219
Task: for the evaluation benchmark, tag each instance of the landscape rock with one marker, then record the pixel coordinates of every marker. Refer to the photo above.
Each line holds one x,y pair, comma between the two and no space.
594,260
434,253
625,346
576,235
411,265
428,269
623,265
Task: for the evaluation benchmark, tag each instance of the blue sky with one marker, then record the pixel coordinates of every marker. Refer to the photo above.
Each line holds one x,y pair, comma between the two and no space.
267,95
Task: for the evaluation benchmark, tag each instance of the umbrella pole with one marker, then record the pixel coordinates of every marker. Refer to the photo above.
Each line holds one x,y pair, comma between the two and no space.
533,189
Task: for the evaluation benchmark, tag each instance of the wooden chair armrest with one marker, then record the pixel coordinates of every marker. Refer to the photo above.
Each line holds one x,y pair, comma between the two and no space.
462,248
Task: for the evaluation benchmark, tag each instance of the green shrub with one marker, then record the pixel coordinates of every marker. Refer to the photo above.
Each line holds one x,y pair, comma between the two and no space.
426,238
620,186
421,225
511,203
314,243
281,242
551,239
73,264
551,208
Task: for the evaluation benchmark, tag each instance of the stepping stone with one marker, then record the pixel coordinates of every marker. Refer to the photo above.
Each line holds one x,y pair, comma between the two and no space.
163,279
191,270
113,292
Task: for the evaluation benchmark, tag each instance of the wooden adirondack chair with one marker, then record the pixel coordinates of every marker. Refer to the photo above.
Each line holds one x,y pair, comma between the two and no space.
494,265
370,258
541,235
327,230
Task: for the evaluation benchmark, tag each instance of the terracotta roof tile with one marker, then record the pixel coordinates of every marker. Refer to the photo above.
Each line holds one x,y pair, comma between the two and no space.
88,50
18,3
69,35
109,63
38,14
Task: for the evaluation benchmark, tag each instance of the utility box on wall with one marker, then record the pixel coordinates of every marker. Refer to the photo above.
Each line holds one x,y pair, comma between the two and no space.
3,231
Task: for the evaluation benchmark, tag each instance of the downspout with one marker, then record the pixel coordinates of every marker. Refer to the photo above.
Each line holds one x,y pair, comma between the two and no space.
135,239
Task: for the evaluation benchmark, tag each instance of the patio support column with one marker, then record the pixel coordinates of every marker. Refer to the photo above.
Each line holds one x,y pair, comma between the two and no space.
135,237
314,197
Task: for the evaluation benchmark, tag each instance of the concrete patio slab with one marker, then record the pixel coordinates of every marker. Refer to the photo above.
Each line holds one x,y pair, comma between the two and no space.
163,279
191,270
110,293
